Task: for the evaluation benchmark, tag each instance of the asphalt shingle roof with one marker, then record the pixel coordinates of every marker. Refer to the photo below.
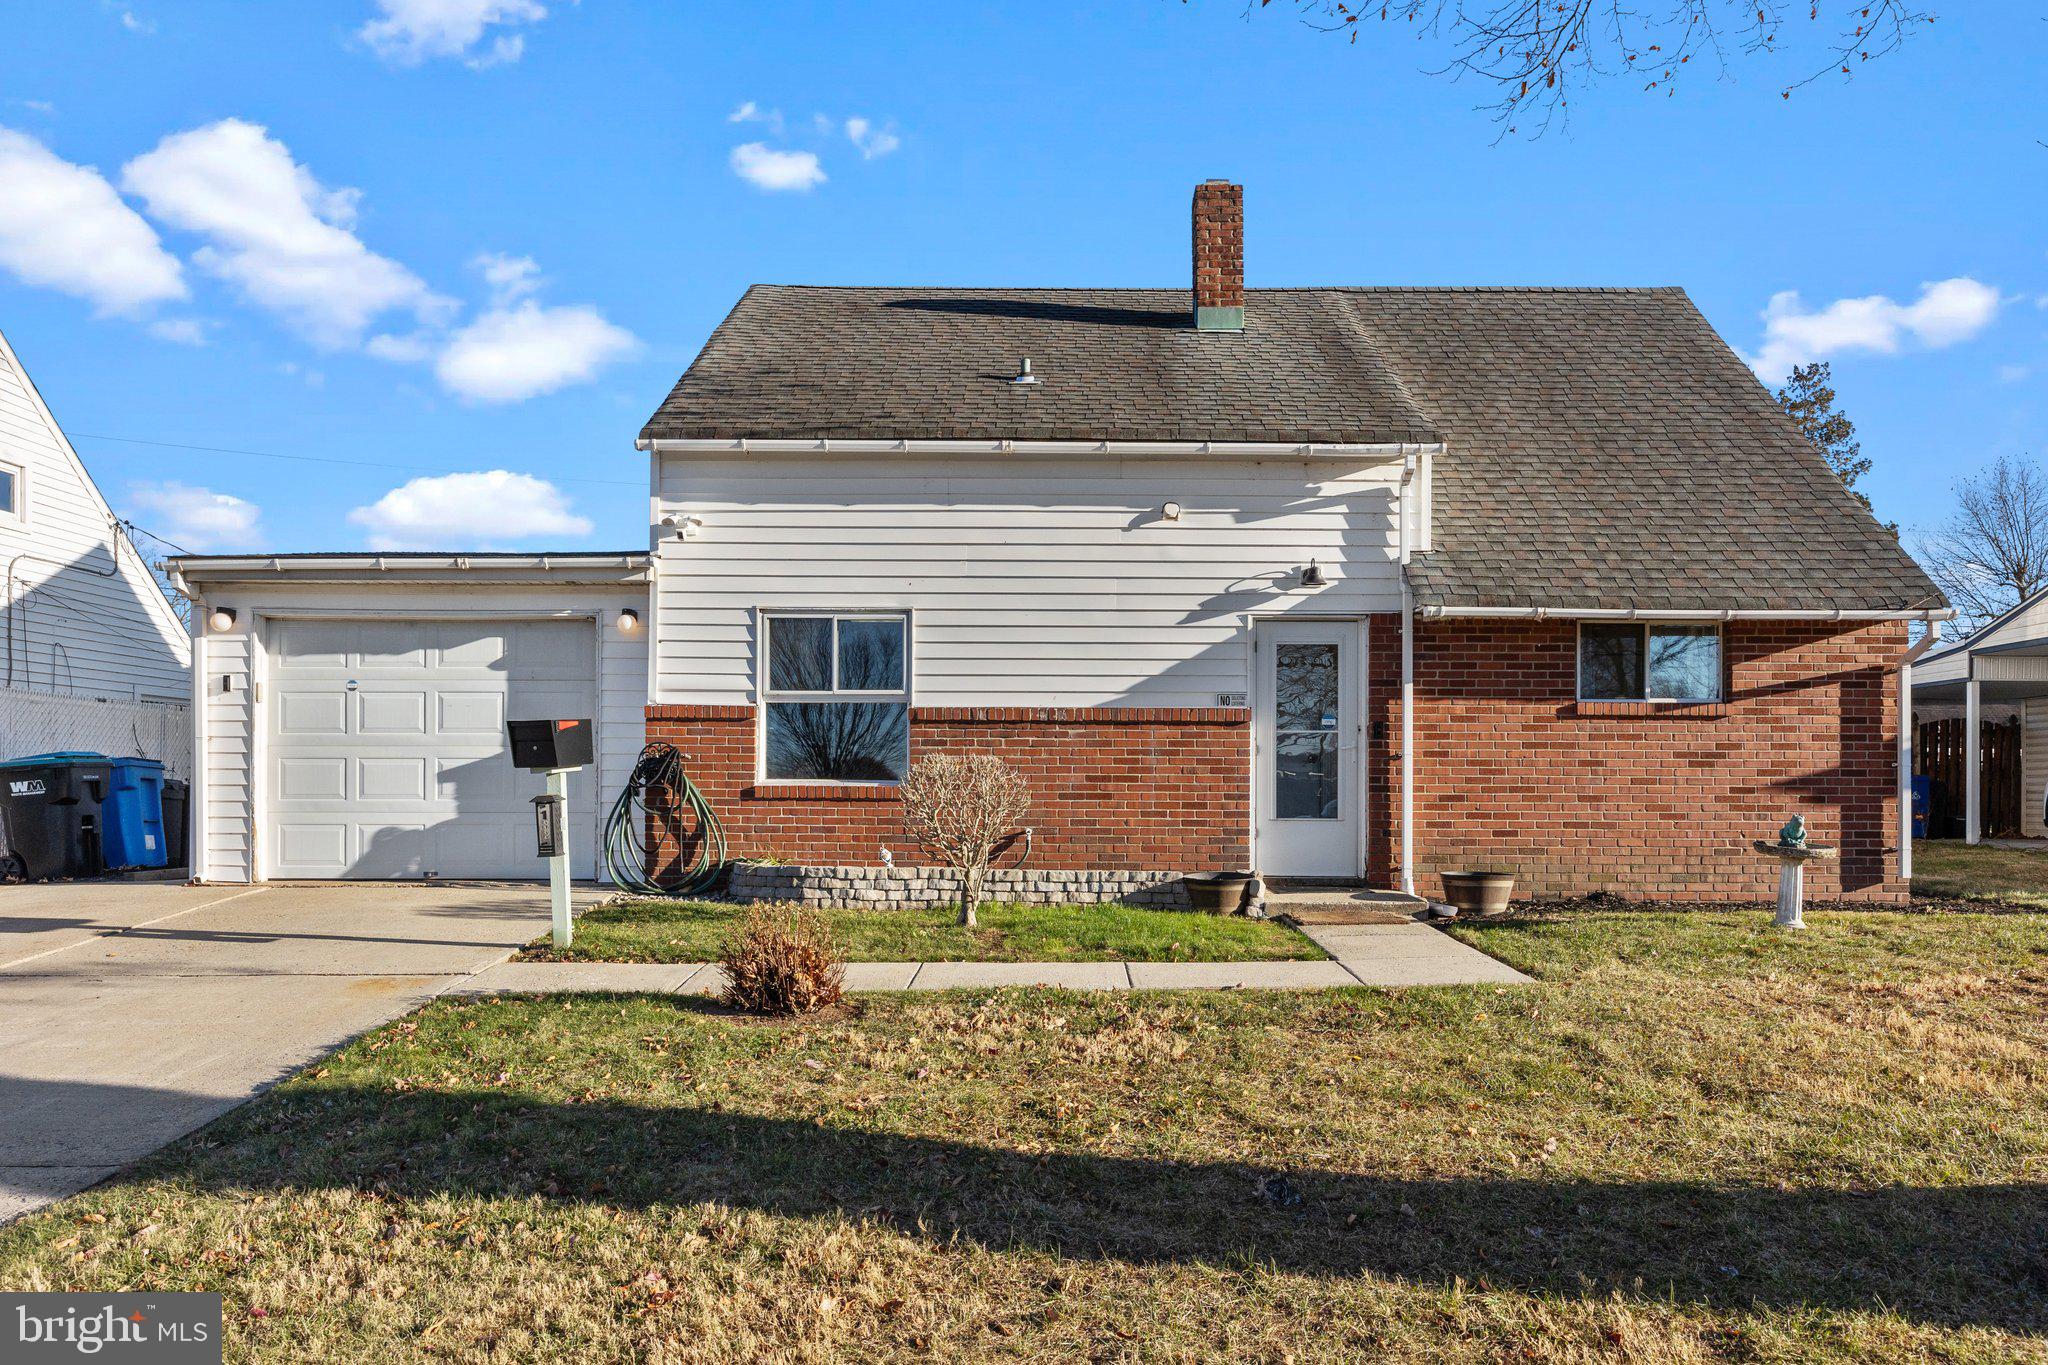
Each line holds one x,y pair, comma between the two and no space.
1604,447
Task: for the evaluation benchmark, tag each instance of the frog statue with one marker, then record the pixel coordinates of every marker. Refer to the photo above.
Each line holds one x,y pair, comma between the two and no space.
1793,835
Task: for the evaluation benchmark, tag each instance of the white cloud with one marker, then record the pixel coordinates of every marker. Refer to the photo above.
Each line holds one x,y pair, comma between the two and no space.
768,169
183,331
63,227
513,353
410,349
509,277
274,232
456,511
413,31
2013,374
36,106
871,141
135,23
1947,311
196,518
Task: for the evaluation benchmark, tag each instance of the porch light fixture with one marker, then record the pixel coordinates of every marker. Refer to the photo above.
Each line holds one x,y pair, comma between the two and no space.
1171,511
629,620
1312,577
223,619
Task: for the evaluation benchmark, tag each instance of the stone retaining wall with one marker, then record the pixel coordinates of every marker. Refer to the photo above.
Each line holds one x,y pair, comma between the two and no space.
915,887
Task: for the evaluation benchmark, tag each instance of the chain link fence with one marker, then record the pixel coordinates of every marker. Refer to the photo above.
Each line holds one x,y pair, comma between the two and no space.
50,722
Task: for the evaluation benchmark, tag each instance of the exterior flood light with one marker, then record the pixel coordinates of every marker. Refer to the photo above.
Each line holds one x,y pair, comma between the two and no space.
223,618
629,620
1171,511
1312,577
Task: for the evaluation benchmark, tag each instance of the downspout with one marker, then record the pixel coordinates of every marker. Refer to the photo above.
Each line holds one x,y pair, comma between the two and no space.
1407,691
1906,661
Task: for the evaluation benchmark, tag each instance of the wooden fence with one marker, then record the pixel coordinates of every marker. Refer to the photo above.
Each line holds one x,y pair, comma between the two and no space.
1940,755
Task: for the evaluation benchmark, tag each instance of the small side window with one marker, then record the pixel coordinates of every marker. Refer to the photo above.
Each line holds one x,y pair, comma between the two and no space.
1656,661
10,492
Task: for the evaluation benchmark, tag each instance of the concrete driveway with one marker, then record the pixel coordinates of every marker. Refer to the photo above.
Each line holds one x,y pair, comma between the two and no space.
131,1014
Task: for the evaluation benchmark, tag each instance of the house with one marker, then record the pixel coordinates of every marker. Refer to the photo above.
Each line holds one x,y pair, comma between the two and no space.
1333,582
95,656
1999,673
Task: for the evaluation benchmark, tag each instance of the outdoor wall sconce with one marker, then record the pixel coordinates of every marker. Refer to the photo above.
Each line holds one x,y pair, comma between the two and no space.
1171,511
629,620
223,619
1312,577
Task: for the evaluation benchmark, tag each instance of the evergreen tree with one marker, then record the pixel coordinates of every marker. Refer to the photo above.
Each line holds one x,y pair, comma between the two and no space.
1808,398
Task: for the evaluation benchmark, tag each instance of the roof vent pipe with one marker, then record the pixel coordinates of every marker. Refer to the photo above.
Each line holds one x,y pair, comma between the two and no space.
1024,375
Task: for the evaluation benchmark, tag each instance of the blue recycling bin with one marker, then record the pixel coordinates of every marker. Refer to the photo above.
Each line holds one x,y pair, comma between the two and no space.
1923,801
133,814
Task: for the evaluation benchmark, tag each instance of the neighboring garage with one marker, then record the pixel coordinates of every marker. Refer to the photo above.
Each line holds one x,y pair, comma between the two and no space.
351,709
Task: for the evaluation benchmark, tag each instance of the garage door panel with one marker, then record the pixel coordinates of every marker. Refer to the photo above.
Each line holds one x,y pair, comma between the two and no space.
391,779
479,645
391,713
311,713
312,779
470,713
407,774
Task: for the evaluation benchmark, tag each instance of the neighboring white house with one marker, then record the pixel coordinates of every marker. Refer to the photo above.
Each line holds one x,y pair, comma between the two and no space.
1999,671
94,656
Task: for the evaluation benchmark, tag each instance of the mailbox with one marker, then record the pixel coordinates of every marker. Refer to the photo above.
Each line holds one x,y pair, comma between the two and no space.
545,745
547,825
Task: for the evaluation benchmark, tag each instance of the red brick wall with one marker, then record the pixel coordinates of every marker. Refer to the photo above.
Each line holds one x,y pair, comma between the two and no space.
1512,771
1113,788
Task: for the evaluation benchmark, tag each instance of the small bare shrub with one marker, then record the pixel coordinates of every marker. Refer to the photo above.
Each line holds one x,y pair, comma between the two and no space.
781,960
960,807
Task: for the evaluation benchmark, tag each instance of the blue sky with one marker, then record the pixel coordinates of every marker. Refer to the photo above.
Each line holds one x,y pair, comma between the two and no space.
381,232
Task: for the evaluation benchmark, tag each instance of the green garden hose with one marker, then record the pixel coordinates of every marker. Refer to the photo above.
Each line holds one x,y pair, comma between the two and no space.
658,773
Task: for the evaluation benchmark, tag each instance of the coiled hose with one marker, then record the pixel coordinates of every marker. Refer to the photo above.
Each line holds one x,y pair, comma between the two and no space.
659,790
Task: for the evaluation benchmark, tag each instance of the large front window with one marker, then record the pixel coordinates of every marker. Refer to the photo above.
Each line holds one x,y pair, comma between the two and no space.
837,698
1649,662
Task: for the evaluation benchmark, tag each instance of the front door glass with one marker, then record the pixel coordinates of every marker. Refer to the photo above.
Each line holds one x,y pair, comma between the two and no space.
1305,733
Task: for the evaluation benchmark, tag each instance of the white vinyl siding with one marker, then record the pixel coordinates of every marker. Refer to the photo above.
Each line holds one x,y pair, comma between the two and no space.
229,665
85,622
1031,581
2034,767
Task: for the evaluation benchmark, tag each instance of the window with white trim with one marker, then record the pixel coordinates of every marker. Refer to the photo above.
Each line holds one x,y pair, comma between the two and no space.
1649,661
12,490
836,697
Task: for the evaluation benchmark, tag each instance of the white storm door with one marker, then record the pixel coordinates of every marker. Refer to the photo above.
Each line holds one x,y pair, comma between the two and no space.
1308,793
386,754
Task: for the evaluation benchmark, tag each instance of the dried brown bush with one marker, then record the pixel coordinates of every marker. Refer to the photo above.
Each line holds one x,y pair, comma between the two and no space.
961,807
781,960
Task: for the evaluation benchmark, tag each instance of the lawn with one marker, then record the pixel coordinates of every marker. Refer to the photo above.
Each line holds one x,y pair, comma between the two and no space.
1693,1139
691,931
1949,869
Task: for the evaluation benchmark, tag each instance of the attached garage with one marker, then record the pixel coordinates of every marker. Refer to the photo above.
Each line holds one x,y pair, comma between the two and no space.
351,709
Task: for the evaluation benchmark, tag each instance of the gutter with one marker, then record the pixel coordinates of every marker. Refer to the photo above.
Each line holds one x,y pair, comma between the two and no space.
1435,613
1906,662
1381,451
207,566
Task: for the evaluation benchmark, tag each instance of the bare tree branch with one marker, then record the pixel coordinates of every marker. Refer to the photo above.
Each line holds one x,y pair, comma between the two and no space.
1993,553
961,807
1536,53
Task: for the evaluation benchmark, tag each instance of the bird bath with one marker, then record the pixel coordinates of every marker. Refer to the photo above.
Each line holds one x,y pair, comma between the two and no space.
1792,860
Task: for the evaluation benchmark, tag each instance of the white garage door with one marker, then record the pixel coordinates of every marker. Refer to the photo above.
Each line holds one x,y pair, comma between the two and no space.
386,752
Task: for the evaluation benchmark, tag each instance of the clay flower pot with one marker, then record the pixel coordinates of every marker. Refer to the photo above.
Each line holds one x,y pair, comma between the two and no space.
1478,893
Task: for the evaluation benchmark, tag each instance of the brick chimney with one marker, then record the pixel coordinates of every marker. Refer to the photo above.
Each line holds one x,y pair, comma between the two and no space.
1219,256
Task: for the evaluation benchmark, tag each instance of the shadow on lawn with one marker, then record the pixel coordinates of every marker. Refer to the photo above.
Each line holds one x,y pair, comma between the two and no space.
1957,1256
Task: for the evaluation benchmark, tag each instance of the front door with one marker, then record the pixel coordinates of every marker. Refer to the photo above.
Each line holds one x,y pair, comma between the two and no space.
1308,732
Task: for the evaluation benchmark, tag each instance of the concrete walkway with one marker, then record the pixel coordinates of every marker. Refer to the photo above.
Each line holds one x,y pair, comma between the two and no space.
1365,955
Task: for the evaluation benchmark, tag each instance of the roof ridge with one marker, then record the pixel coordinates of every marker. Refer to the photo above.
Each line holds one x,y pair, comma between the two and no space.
1251,289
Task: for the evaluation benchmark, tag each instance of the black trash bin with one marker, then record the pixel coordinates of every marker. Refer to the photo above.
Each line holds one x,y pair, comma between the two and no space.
51,806
177,820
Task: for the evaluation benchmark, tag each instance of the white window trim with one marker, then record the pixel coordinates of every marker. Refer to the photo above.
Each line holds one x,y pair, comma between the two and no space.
18,514
1720,675
764,693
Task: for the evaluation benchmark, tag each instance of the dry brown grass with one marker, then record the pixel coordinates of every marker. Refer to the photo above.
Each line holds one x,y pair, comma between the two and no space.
1693,1140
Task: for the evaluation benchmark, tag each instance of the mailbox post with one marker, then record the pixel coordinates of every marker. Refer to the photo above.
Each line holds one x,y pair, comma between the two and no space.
557,748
